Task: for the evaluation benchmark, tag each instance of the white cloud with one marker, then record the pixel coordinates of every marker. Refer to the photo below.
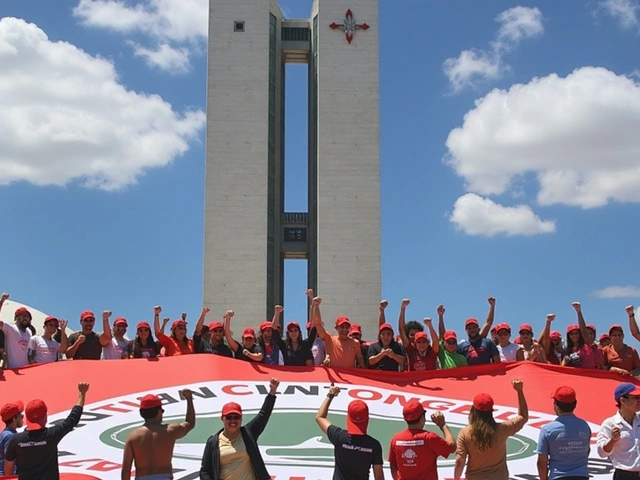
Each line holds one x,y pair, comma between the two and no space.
179,25
577,135
64,117
476,66
617,291
480,216
165,57
624,12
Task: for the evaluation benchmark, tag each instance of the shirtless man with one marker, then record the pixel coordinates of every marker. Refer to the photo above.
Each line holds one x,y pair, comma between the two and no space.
151,446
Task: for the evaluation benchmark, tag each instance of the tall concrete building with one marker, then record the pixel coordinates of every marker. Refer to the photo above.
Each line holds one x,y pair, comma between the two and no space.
248,234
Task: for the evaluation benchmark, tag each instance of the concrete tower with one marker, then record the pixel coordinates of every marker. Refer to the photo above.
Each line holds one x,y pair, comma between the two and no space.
248,235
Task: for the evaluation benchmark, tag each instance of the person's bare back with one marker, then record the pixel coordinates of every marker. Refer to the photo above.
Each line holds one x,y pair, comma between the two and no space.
150,447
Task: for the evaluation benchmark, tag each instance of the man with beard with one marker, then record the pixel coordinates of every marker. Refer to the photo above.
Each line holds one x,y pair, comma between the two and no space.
87,344
16,336
43,348
210,338
117,347
342,351
478,349
150,446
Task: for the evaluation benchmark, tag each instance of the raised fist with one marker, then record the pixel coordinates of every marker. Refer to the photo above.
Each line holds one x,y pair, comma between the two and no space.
106,314
273,385
440,310
157,309
629,308
383,304
186,394
165,320
438,419
62,324
405,303
83,387
577,306
427,321
229,314
317,300
309,293
278,309
5,296
492,301
184,315
517,384
205,310
551,317
334,390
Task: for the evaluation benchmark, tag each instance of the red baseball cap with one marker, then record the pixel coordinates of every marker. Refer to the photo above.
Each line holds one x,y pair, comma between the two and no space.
604,336
517,341
525,327
177,322
555,336
291,325
385,326
355,328
616,327
249,333
120,321
357,418
214,325
471,321
36,414
150,401
21,311
265,325
571,328
592,328
10,410
450,335
564,395
503,326
420,335
143,325
87,314
412,411
483,402
342,321
231,407
51,319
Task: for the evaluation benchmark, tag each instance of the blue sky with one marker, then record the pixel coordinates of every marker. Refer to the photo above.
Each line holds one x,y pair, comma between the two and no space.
509,157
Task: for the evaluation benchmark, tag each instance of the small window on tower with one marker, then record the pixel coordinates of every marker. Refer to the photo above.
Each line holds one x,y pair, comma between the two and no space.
238,26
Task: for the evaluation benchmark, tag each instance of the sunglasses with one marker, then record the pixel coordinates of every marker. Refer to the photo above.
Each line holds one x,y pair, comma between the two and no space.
232,418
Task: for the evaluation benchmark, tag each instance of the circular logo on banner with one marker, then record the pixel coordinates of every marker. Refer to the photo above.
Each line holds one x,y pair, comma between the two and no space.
292,444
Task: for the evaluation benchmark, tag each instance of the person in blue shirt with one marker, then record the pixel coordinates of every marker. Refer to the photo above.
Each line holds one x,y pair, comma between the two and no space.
12,417
564,444
477,349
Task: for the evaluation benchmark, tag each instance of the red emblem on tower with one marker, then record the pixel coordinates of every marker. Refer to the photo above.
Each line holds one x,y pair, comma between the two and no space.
349,26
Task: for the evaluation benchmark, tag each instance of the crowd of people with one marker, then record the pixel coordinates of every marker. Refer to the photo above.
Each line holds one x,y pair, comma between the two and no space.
416,346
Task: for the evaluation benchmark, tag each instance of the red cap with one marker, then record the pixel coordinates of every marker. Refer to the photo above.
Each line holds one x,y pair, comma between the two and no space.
385,326
604,336
342,321
525,327
143,325
420,335
87,314
555,336
450,335
616,327
471,321
291,325
412,410
150,401
571,328
483,402
265,325
357,418
177,322
493,330
503,326
517,341
355,328
51,319
249,333
214,325
21,311
592,328
10,410
120,321
230,408
564,395
36,413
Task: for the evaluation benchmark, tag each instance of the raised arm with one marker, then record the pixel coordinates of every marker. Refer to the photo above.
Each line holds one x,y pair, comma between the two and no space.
544,336
441,327
233,345
435,345
275,321
486,328
156,321
258,423
523,409
106,336
317,318
200,321
581,323
64,339
402,322
3,298
323,411
381,316
179,430
633,326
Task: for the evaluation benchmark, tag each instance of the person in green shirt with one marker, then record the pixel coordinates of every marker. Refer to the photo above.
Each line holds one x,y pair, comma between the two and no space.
447,355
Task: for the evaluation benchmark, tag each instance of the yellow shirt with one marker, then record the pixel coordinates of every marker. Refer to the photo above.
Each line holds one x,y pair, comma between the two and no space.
235,463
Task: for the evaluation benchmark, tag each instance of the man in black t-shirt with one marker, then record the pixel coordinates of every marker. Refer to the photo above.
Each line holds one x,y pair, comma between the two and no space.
87,344
35,451
209,338
355,451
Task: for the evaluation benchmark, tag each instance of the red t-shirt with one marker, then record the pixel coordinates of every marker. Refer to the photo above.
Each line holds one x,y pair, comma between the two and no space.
414,454
173,348
419,362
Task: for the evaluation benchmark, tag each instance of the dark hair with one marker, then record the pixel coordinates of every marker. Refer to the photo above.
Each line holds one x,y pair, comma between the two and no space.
275,334
185,340
289,343
32,329
416,421
148,413
413,325
570,346
566,407
137,345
